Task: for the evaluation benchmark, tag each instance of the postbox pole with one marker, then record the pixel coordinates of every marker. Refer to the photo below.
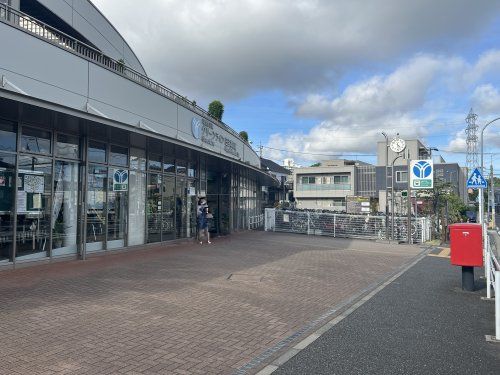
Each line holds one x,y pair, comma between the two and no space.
488,273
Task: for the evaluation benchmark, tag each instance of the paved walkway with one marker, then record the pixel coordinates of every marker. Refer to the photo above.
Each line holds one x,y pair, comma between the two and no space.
186,309
422,323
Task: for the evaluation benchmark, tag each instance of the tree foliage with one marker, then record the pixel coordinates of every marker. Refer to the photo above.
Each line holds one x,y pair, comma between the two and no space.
315,165
216,109
244,135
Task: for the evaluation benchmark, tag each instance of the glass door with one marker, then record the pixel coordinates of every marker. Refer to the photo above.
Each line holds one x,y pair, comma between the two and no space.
7,194
65,208
153,207
96,207
117,207
168,230
181,207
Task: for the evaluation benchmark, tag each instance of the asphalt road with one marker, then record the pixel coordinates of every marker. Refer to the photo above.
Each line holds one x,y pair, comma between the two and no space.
422,323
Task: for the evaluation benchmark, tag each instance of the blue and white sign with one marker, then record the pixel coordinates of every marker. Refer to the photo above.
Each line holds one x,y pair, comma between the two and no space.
120,180
421,174
476,180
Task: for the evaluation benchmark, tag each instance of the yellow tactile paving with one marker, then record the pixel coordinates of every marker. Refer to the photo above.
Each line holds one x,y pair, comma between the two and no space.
444,253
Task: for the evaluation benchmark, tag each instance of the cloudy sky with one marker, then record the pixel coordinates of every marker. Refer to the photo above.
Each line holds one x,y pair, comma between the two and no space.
316,78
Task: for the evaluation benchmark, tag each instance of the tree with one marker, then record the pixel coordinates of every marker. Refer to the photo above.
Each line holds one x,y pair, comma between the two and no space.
315,165
446,206
244,135
216,109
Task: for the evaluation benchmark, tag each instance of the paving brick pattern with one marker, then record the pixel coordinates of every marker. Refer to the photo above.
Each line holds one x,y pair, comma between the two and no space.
180,309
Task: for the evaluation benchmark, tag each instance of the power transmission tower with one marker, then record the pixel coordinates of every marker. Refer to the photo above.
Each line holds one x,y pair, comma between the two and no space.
471,132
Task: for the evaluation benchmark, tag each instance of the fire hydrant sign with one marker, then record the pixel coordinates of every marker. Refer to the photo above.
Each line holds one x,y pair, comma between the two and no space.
421,174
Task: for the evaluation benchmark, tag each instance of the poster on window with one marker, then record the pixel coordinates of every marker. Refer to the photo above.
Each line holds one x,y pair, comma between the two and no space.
21,202
33,183
2,180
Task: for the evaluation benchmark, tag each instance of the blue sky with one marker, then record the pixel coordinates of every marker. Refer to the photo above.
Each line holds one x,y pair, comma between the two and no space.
317,77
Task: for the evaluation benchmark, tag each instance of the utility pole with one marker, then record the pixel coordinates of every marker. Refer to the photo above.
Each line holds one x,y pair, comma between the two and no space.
260,149
492,195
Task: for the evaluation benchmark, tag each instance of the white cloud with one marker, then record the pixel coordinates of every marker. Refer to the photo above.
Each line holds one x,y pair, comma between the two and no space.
229,49
486,99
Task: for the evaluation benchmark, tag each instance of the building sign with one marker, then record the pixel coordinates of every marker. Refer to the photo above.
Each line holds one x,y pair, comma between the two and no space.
205,131
358,205
421,174
120,180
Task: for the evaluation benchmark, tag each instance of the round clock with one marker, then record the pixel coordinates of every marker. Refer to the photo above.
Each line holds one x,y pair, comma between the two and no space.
398,145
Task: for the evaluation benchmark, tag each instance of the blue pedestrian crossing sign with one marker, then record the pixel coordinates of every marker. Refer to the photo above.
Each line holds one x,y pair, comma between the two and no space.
476,180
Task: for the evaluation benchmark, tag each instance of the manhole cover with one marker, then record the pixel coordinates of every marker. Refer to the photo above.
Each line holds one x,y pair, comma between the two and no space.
245,277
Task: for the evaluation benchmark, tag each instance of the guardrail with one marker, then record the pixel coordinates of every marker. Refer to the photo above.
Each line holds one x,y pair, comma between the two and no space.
26,23
492,269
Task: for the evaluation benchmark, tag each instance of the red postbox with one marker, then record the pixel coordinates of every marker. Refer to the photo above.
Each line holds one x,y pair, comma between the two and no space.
466,244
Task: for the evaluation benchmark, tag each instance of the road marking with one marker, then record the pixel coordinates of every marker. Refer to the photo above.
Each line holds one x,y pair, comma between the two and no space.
445,253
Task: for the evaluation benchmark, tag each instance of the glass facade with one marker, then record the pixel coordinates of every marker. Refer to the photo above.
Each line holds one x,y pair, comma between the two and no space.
70,187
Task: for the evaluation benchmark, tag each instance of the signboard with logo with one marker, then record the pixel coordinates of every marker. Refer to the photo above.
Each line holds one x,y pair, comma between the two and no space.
357,205
120,180
210,134
421,174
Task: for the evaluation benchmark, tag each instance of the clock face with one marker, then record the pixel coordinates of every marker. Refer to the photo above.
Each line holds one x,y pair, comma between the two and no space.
398,145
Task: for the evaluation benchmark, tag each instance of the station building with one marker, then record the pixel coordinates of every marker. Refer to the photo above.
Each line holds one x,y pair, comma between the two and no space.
95,155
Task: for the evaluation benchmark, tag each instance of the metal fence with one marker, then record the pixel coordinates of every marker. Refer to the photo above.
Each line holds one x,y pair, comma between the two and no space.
256,221
345,225
492,271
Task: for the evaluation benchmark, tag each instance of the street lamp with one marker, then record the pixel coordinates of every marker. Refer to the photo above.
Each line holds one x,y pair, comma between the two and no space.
385,177
392,195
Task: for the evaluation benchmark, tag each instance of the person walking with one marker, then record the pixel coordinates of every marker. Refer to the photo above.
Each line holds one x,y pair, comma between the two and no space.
203,225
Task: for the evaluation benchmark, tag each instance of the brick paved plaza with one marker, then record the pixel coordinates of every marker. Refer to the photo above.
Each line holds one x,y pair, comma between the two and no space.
183,309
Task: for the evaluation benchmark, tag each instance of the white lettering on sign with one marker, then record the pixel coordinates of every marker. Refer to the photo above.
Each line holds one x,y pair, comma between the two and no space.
465,234
204,130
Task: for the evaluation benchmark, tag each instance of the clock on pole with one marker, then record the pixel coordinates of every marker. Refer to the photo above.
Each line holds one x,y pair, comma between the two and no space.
397,145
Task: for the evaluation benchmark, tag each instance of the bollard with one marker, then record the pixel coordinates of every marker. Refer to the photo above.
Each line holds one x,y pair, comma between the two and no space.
468,278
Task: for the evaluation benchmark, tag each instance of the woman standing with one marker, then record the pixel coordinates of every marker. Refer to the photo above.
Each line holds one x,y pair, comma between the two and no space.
203,225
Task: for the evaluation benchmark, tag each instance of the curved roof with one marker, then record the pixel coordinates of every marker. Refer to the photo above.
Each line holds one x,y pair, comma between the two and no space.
86,19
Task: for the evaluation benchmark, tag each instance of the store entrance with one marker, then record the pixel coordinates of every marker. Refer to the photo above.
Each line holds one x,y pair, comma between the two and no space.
218,200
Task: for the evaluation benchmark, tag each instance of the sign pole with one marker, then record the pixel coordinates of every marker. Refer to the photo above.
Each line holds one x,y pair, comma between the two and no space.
408,198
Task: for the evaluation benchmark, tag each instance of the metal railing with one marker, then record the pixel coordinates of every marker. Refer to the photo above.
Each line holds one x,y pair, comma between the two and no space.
345,225
58,38
492,270
322,187
256,221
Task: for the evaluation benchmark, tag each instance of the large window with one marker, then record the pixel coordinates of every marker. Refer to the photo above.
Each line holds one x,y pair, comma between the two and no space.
308,180
118,155
97,152
401,176
8,131
33,197
67,146
340,179
35,140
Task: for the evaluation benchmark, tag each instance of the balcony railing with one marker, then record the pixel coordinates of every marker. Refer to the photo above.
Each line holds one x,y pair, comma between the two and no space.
323,187
40,29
